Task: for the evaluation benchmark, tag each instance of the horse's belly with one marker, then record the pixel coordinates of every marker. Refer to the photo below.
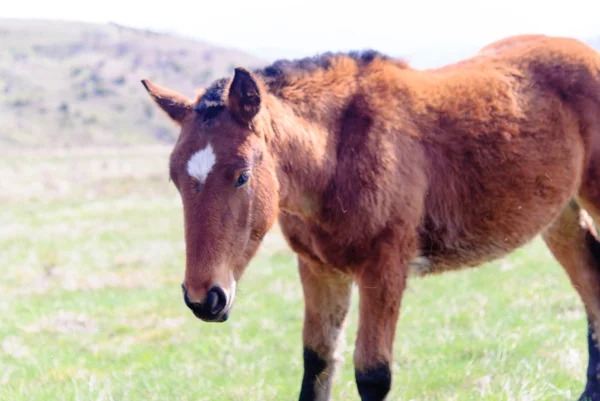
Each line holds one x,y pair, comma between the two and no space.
494,234
500,205
465,254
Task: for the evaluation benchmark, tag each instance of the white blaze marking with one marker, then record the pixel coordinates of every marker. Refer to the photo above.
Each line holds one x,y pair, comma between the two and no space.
201,163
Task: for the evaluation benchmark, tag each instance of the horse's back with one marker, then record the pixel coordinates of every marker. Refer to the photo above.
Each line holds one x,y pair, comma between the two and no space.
508,142
501,139
509,43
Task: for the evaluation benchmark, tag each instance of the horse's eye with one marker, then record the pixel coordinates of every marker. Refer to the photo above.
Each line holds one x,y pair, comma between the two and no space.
242,179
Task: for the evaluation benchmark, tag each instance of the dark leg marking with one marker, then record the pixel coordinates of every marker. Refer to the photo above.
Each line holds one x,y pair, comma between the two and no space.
314,365
592,387
375,383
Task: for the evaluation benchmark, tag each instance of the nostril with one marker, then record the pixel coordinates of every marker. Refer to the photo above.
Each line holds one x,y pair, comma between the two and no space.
212,301
216,300
194,306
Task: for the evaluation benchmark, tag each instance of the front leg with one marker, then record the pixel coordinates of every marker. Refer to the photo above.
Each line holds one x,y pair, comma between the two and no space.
327,298
380,289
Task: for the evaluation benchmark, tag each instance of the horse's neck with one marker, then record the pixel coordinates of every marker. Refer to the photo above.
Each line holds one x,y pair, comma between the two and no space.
303,148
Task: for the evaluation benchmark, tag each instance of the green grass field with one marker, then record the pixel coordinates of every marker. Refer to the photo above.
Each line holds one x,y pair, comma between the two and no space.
92,257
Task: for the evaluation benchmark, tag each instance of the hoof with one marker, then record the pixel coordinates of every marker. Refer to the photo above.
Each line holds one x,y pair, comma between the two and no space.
374,384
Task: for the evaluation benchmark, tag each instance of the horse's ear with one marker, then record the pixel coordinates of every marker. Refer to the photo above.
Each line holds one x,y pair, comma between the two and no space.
244,96
174,104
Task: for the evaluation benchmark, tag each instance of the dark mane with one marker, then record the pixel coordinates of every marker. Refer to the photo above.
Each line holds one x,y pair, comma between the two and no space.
284,68
278,74
213,100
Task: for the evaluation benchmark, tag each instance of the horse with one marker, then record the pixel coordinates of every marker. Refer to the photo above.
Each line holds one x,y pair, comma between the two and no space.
376,172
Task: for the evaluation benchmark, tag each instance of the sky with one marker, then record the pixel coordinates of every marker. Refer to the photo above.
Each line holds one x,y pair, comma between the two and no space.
416,29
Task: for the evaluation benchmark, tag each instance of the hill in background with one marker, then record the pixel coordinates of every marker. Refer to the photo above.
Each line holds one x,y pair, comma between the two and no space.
72,84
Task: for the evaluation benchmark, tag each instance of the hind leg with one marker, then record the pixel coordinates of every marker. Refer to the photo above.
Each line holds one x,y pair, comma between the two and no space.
573,241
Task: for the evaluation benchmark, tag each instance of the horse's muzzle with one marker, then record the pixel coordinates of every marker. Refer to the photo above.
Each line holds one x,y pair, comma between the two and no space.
212,309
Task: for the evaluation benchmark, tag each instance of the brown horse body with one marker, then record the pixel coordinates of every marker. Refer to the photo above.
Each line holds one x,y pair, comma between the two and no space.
375,169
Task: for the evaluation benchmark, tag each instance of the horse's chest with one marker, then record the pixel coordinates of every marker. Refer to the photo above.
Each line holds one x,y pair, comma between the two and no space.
341,251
